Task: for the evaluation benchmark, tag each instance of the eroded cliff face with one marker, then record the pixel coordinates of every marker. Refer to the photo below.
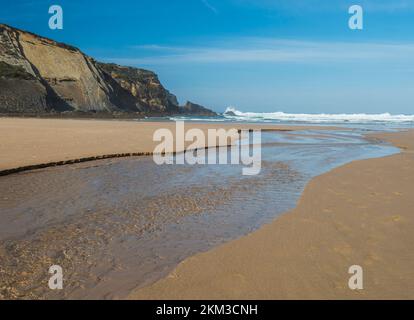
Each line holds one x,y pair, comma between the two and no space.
39,75
20,88
144,86
48,76
69,73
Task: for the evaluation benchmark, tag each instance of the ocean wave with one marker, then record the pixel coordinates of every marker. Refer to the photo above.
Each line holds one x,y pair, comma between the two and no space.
234,114
190,118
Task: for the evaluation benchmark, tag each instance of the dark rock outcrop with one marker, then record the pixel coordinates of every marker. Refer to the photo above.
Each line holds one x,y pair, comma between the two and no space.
230,113
193,108
144,86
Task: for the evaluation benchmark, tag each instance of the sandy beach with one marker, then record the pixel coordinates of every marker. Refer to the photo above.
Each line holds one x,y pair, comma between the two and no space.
359,214
207,150
26,142
88,218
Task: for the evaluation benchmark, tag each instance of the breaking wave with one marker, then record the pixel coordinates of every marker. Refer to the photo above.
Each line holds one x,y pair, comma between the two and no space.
234,114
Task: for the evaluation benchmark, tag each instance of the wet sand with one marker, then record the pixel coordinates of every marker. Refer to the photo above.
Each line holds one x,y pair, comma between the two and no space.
117,224
359,214
87,218
28,142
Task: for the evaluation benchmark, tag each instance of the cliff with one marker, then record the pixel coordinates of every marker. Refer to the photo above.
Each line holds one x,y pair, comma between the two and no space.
193,108
42,76
144,86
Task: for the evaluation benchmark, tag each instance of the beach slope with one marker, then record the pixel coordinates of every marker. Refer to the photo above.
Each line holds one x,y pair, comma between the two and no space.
358,214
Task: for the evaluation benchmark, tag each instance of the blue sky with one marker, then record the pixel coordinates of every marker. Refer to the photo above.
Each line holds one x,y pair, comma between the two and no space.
256,55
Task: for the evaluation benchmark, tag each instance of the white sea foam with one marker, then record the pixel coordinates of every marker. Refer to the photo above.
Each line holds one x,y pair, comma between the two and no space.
233,113
189,118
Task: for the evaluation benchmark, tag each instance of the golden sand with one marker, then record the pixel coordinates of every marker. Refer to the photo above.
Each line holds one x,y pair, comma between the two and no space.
27,142
358,214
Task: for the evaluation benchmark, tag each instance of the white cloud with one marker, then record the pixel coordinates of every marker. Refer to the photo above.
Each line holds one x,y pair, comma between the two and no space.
209,6
273,51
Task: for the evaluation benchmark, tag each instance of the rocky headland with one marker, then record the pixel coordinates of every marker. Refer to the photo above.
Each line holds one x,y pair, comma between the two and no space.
39,76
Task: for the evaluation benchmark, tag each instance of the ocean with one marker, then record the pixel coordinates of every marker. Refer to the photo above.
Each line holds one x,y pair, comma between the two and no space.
358,120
